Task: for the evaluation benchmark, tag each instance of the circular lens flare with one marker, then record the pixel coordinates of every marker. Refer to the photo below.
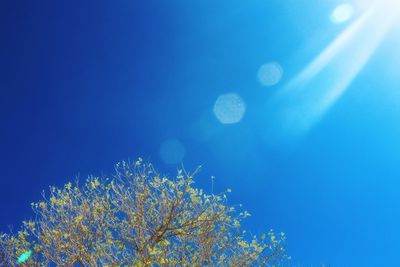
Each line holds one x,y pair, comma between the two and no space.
172,151
342,13
270,74
229,108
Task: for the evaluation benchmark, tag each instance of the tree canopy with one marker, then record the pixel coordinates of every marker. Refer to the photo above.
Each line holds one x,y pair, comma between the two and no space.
138,217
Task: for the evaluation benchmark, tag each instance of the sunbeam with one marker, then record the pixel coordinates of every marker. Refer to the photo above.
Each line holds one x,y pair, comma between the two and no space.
306,98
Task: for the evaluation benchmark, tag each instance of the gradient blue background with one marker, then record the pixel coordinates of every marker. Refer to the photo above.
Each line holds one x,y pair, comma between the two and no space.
85,84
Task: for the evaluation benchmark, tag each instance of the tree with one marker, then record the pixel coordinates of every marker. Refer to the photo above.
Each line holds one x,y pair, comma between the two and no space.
138,218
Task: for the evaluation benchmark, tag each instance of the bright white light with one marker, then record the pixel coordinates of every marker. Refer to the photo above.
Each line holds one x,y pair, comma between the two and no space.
229,108
342,13
364,4
172,151
388,5
304,101
270,74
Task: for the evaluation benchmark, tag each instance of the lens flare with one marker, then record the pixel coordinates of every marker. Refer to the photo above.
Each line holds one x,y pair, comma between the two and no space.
229,108
303,102
24,256
342,13
172,151
270,74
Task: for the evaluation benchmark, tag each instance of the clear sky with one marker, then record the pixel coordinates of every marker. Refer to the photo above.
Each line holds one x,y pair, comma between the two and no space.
295,105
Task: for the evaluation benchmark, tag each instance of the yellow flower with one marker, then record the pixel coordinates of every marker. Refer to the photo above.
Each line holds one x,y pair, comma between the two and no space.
68,185
243,244
95,183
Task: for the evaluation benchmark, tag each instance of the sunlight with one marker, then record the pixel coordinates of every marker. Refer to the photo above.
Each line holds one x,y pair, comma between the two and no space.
342,13
389,5
306,98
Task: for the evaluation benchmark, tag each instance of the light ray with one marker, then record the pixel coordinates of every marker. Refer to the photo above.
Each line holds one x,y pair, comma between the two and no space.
305,99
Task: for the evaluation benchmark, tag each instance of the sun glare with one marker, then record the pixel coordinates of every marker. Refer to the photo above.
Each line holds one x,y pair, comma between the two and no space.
342,13
391,5
305,99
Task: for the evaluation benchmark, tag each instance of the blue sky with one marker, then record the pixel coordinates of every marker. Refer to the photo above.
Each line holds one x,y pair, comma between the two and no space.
309,144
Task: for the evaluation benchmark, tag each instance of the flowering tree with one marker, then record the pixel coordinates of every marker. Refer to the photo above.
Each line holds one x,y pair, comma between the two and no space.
138,218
